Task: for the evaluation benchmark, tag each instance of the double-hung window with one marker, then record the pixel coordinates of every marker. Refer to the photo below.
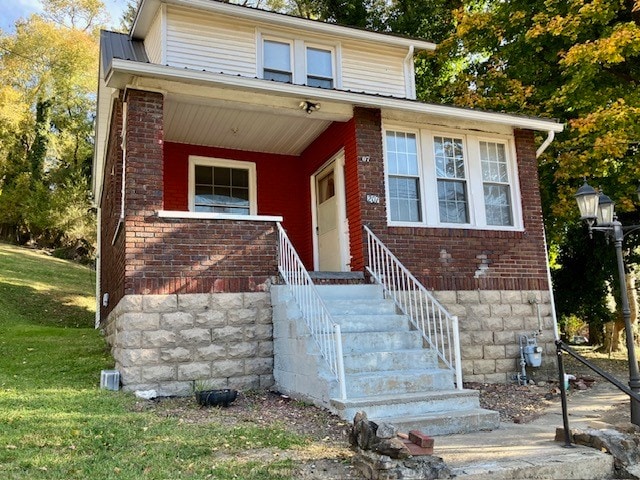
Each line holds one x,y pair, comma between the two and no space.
319,67
495,182
452,183
276,58
222,186
445,179
294,60
404,177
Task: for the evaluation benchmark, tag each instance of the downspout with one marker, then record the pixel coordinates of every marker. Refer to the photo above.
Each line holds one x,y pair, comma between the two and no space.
98,285
123,146
550,136
409,76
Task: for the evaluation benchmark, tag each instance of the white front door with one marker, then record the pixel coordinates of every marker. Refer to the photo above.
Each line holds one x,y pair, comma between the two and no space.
330,223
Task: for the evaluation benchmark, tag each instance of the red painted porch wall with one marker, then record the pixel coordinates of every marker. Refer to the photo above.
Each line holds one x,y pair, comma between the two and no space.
283,181
338,136
282,188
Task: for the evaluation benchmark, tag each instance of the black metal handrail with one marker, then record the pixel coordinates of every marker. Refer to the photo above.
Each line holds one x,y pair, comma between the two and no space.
560,346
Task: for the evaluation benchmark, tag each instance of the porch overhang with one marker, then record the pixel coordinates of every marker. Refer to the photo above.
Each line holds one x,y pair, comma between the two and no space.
216,109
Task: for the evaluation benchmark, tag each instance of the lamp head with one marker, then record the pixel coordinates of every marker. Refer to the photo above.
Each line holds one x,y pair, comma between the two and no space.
587,199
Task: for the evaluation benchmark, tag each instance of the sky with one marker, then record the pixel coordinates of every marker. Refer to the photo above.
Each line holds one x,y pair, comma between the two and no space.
12,10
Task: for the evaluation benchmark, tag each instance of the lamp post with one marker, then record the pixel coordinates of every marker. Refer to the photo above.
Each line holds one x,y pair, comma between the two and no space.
596,208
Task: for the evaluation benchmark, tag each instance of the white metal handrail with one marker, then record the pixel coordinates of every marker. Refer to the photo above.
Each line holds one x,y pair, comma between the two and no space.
438,327
324,331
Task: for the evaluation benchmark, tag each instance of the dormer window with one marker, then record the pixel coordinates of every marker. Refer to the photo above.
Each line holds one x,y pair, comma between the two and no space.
319,67
297,61
277,61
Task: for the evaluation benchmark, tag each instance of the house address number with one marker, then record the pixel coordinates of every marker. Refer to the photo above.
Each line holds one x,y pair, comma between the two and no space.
365,159
373,198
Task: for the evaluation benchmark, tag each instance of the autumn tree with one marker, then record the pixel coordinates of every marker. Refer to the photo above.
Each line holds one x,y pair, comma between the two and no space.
575,60
47,86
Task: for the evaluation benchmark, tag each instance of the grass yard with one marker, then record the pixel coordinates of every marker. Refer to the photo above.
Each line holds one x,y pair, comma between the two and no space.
55,423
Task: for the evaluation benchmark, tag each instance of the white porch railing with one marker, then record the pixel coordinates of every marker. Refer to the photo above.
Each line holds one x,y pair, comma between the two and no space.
324,331
439,328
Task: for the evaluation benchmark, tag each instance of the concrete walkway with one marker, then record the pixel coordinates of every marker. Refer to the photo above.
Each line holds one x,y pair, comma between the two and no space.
527,451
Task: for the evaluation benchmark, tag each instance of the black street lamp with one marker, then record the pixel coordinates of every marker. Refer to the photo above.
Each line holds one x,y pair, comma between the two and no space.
596,208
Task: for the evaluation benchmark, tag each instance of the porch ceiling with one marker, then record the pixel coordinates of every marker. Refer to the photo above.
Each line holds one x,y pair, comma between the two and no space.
238,127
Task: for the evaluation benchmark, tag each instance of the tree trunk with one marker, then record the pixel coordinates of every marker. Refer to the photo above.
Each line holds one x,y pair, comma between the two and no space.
613,339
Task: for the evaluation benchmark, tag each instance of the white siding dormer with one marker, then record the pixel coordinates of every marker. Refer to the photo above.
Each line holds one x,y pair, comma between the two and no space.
199,40
373,69
206,42
154,42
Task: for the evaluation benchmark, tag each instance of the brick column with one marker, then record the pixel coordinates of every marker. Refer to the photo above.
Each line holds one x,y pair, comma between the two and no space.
368,135
145,134
143,186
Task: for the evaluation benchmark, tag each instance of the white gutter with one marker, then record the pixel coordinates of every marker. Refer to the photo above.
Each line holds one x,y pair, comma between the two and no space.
122,71
550,136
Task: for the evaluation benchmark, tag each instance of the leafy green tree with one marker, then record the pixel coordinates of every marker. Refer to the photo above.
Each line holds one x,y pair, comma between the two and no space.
47,88
575,60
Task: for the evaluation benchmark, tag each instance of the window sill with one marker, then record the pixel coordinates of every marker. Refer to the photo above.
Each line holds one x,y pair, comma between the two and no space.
456,226
217,216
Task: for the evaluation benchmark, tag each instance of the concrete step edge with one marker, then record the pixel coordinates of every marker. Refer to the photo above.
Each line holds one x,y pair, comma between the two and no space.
393,399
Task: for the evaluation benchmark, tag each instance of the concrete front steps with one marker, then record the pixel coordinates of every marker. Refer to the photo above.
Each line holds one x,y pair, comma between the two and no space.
389,374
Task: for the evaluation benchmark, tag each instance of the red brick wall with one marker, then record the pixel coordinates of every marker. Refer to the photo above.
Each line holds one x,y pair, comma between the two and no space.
450,259
171,255
112,254
183,255
200,256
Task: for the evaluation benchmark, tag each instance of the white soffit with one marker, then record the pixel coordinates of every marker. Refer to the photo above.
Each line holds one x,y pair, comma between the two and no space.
241,129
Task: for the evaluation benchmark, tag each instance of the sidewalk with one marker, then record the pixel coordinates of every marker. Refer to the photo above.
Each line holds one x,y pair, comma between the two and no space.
519,451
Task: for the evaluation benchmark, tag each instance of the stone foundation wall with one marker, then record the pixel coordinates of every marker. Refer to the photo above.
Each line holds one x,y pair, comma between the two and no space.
167,342
491,323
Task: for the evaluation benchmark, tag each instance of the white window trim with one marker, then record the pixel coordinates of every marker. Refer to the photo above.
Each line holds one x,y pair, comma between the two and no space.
299,55
277,39
433,200
221,162
319,46
217,216
473,170
421,177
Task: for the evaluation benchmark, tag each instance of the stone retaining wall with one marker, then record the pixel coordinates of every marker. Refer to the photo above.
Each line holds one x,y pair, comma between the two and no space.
167,342
491,322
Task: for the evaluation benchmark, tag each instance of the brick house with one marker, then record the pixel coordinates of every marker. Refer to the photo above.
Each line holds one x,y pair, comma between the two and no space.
228,138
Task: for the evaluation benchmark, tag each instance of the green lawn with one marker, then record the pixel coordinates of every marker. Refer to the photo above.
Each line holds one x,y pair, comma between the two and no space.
55,423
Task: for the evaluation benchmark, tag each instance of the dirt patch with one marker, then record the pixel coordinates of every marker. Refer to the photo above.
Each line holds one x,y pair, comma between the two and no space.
328,456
